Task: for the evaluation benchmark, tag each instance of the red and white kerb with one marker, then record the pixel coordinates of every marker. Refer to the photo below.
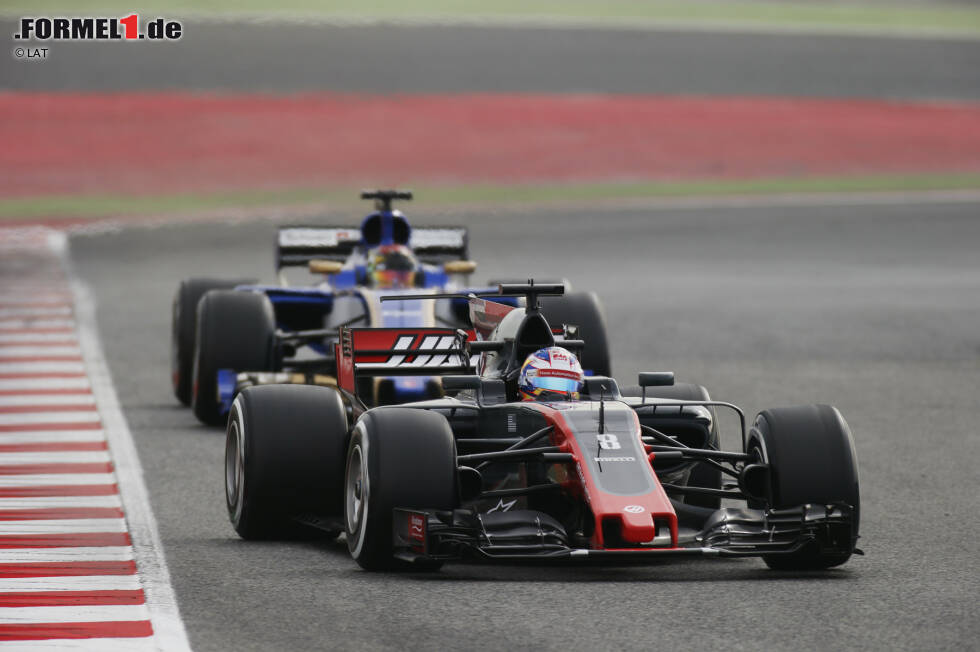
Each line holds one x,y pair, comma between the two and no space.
68,577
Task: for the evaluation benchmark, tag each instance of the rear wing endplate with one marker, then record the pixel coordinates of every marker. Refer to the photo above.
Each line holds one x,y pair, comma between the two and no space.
298,245
437,244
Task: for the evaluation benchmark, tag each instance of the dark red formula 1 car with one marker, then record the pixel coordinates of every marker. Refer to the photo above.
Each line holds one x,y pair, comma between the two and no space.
617,475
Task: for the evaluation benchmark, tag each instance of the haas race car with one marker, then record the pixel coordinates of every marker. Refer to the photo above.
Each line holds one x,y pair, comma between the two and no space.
230,334
605,475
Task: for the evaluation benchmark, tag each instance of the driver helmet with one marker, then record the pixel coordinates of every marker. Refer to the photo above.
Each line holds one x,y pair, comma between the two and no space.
391,266
551,374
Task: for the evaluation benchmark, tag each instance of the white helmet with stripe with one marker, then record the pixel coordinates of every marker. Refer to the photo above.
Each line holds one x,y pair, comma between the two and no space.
551,374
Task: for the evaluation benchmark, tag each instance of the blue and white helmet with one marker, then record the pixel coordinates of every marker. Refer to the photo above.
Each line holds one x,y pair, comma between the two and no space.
552,374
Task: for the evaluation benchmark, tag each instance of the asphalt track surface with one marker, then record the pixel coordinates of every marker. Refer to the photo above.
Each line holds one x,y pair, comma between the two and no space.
425,59
874,309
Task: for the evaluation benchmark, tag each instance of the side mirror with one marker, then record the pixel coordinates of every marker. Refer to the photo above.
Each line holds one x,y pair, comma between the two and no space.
656,378
459,266
319,266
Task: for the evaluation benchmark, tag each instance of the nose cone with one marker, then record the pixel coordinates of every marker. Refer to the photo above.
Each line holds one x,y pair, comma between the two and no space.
637,526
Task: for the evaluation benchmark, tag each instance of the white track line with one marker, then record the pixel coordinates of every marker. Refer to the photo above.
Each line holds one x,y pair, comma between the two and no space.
32,324
48,296
65,436
50,555
35,311
73,614
30,418
146,644
168,628
7,339
77,583
48,502
34,351
56,479
70,457
40,367
27,384
47,399
63,526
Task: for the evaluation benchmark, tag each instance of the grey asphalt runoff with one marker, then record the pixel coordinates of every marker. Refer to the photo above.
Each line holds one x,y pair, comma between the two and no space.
874,309
430,59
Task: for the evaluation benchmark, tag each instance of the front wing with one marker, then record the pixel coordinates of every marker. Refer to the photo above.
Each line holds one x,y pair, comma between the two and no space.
420,535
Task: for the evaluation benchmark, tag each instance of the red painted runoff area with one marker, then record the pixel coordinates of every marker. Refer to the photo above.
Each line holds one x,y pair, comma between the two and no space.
184,142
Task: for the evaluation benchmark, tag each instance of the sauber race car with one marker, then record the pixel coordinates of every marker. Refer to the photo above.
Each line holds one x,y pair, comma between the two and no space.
604,475
230,334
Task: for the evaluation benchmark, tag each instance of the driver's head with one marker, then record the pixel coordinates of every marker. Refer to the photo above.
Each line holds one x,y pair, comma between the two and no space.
552,374
391,266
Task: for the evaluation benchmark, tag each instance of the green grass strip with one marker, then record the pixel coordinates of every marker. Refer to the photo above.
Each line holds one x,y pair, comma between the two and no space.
99,206
924,17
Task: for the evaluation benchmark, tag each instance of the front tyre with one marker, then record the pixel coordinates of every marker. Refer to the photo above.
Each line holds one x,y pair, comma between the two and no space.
812,460
397,457
284,455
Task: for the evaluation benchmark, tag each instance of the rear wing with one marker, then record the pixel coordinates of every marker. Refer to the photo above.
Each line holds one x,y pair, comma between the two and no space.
298,245
400,352
385,352
437,244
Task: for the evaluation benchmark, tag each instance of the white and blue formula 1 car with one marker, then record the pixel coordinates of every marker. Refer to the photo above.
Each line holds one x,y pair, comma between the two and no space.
231,334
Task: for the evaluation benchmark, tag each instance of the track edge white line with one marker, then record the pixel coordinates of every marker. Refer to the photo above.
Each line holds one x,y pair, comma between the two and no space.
169,632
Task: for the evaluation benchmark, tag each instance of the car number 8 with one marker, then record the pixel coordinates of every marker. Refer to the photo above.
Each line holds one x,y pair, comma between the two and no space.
608,442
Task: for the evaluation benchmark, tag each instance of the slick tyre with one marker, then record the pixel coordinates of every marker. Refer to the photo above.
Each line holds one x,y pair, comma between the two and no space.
582,309
235,330
284,455
397,457
812,460
183,326
702,474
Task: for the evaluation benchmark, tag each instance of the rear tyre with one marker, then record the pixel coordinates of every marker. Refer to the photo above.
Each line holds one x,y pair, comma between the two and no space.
582,309
812,460
284,455
183,327
235,330
702,475
397,457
